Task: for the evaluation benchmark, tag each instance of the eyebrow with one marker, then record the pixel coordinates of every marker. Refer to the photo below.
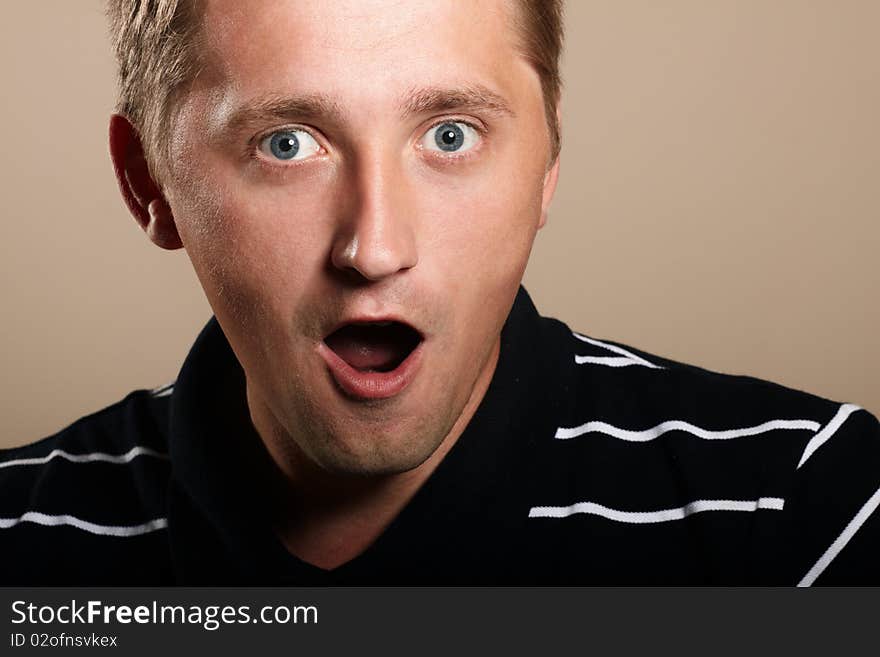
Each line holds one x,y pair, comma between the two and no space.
283,109
425,100
440,99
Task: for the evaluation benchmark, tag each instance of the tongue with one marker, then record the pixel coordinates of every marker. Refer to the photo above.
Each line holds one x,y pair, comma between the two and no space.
366,356
368,347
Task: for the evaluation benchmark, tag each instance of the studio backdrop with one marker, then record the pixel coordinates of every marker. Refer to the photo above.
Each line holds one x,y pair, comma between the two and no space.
719,203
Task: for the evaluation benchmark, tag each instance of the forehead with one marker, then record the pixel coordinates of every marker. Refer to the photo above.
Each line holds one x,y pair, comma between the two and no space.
361,51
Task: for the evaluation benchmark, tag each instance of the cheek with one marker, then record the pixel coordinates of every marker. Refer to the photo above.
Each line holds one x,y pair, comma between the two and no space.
255,246
481,232
483,224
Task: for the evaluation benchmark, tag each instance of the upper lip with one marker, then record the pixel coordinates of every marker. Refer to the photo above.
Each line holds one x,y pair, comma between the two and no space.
373,319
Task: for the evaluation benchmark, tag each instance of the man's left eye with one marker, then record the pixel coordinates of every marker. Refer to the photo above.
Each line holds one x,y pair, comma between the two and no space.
291,144
451,137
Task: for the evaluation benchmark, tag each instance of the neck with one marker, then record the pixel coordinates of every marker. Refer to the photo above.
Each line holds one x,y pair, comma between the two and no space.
328,518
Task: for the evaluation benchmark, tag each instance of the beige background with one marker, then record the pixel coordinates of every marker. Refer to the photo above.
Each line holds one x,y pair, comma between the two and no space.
719,203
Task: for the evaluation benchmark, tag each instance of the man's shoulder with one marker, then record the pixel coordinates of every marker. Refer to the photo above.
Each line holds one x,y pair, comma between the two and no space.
767,477
97,486
637,383
636,396
130,427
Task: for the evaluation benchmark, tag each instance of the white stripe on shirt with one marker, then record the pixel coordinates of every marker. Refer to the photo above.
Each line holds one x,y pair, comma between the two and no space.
840,542
163,391
608,361
664,515
827,431
72,521
88,457
564,433
637,360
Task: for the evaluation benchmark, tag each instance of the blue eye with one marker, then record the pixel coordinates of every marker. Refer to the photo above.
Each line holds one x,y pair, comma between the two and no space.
284,145
289,145
451,137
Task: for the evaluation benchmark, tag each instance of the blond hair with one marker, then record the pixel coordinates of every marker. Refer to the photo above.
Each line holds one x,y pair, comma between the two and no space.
155,43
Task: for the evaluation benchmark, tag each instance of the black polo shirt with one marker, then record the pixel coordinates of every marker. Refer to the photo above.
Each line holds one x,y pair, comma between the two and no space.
587,462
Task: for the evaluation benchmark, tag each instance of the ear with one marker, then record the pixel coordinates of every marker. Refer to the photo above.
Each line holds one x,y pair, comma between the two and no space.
142,195
550,179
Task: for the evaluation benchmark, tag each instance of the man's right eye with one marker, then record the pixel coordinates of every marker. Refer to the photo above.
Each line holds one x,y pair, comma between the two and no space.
289,145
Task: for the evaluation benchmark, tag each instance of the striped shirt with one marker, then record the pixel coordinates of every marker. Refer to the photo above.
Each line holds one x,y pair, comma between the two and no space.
587,462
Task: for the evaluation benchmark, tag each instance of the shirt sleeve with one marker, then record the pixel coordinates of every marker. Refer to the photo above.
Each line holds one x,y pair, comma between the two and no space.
832,525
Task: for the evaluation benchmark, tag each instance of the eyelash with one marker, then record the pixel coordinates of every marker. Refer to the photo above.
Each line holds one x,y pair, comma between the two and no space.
253,149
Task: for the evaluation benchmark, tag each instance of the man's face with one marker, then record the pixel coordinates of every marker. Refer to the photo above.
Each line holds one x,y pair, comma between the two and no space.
343,163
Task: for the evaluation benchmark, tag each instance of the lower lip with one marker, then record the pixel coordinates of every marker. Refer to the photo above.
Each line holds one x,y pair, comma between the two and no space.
371,385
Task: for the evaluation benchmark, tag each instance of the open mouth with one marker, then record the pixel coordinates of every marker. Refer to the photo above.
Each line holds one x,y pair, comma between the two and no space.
374,346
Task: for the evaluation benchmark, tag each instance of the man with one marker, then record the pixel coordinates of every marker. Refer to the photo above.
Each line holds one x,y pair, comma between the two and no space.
358,186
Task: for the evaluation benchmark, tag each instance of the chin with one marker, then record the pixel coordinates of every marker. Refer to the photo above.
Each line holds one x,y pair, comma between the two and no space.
379,455
371,465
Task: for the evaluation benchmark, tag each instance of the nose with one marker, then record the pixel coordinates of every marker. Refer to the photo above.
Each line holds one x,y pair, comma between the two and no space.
375,238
